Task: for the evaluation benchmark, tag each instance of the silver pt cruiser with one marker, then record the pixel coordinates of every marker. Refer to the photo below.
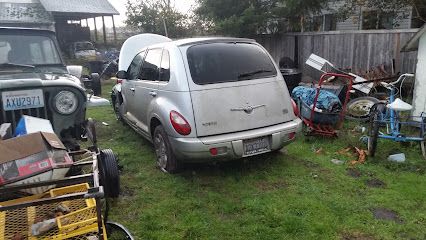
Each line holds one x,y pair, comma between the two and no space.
203,99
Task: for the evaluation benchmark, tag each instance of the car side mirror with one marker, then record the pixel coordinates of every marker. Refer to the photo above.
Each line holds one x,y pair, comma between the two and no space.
121,74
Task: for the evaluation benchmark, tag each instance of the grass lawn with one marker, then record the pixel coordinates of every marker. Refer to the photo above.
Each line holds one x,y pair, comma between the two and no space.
295,194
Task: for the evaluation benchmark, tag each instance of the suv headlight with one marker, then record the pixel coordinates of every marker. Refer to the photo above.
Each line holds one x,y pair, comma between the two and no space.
65,102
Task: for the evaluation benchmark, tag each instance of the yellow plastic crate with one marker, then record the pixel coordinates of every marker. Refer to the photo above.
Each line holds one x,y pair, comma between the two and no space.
80,223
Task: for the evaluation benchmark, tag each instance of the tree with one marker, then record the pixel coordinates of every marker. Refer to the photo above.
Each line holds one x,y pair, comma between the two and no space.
158,17
250,17
237,17
298,12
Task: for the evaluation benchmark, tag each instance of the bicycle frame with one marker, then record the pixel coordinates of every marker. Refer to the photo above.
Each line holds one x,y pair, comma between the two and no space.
391,118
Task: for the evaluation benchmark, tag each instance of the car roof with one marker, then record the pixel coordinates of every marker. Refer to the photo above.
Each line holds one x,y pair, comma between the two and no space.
27,29
192,41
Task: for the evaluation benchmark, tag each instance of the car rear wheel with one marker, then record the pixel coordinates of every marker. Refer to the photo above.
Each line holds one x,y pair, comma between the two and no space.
166,160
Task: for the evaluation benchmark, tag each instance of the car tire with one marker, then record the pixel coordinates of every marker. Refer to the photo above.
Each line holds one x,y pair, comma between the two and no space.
96,84
109,173
117,108
166,159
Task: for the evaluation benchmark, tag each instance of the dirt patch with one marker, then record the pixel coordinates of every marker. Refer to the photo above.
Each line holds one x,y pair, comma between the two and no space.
310,164
126,191
356,236
266,186
375,183
386,214
352,172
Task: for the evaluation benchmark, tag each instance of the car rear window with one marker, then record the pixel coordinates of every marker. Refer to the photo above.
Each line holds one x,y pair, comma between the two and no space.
228,62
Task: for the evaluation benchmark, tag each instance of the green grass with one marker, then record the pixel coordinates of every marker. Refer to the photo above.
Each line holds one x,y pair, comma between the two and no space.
294,194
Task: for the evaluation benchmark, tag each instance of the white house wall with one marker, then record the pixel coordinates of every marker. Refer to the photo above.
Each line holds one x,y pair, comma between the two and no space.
419,99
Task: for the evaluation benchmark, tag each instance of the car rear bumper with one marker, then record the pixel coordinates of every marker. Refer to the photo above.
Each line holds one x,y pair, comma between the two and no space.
230,146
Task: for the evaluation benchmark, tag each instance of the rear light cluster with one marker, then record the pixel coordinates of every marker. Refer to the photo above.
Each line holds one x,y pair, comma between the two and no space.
291,136
179,123
218,151
119,81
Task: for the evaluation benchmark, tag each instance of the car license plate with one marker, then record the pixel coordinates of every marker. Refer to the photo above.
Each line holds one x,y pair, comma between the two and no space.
256,145
25,99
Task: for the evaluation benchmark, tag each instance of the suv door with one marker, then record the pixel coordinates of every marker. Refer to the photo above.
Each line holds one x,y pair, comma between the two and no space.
128,87
146,87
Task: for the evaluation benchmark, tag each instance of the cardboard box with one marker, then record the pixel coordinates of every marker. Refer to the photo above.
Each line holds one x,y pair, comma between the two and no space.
34,157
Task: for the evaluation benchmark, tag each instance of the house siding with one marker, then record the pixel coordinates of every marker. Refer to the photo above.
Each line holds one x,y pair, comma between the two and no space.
353,22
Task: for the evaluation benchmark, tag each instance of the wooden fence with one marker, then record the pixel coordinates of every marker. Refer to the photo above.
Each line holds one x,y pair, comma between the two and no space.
358,50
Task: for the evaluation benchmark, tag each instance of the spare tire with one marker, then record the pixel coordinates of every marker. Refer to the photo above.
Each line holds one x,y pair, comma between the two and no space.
109,173
359,108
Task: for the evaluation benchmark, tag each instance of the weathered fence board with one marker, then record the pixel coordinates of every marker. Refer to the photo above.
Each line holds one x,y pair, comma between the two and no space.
359,50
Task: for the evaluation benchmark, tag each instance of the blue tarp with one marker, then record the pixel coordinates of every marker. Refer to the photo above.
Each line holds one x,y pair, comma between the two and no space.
326,100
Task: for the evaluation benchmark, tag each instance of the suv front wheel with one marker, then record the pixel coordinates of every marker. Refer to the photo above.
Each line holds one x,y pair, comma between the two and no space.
166,160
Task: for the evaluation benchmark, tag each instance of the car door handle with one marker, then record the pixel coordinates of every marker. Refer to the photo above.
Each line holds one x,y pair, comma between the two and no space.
152,93
132,89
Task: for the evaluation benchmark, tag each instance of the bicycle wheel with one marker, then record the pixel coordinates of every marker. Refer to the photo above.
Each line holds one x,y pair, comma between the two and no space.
373,132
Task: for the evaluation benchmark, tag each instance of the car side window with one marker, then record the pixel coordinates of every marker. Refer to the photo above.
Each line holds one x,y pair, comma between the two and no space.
151,66
133,70
165,67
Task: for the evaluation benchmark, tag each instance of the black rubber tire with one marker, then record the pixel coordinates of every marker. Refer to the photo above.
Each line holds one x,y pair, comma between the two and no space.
117,105
109,173
172,164
96,84
353,101
373,132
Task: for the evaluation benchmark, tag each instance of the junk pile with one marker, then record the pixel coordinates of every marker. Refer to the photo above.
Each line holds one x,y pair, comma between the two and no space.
43,191
32,156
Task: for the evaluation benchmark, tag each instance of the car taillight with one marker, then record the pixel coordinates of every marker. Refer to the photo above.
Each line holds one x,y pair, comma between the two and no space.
179,123
295,108
119,80
291,136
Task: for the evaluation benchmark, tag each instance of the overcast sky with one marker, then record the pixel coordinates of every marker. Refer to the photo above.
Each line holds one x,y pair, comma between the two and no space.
182,5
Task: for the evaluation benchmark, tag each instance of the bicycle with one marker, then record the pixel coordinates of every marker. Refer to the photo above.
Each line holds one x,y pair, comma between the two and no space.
388,114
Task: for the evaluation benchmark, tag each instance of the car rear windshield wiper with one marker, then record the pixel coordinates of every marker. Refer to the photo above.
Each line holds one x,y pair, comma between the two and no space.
249,74
16,65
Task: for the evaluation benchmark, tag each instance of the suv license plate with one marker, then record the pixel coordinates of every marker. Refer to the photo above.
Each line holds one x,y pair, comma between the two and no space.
256,145
24,99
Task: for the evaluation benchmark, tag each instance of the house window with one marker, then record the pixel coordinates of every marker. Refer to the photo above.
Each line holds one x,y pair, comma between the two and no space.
330,22
376,20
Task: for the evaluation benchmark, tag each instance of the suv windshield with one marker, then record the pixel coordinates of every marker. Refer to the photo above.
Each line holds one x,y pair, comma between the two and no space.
228,62
28,50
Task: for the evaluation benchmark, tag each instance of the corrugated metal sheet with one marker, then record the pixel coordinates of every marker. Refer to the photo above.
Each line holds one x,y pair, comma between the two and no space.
24,13
80,6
